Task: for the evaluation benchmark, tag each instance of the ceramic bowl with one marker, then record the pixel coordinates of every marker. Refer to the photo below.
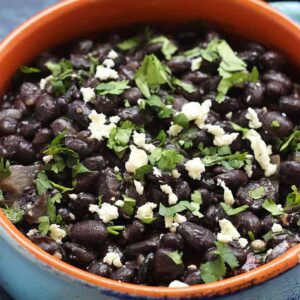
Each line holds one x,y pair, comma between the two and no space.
29,273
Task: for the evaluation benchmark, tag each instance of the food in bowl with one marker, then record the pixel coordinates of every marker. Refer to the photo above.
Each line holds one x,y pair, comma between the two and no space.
159,157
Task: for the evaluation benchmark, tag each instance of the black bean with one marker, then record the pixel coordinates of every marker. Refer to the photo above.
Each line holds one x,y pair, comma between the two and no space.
79,112
196,77
28,128
233,179
66,215
48,244
29,93
132,233
254,94
179,101
126,273
290,105
62,124
107,104
179,65
145,269
210,254
46,109
108,185
86,182
132,95
12,145
282,128
80,61
95,163
78,255
80,204
246,222
196,236
193,278
26,152
228,105
83,47
274,90
99,268
144,247
271,60
8,126
239,253
210,84
212,216
135,115
164,269
88,232
41,138
182,189
278,250
250,57
279,77
290,172
172,241
77,145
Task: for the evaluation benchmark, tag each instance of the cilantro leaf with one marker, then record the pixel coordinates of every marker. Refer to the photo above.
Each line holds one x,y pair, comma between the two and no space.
129,205
176,257
119,138
235,79
293,198
275,124
140,173
115,230
227,255
194,52
51,208
257,193
213,270
168,47
271,207
151,74
161,137
184,85
166,159
4,168
210,53
129,43
44,224
290,142
42,183
112,87
155,102
181,120
196,197
14,214
61,188
29,70
177,208
230,211
237,127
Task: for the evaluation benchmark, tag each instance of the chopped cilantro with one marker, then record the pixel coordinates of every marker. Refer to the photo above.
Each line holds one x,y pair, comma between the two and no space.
44,224
184,85
181,120
119,138
271,207
79,168
275,124
237,127
151,74
177,208
227,255
142,171
14,214
155,102
161,137
230,211
291,142
210,53
213,270
176,257
251,235
257,193
293,198
194,52
196,197
51,207
129,205
112,87
168,47
129,43
166,159
4,168
61,188
42,183
115,230
29,70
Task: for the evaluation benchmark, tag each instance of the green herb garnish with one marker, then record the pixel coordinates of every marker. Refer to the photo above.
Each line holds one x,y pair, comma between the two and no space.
4,168
230,211
14,214
112,87
29,70
257,193
115,230
176,257
168,47
271,207
129,44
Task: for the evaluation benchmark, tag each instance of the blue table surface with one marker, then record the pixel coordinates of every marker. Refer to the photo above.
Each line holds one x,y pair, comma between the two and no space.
11,15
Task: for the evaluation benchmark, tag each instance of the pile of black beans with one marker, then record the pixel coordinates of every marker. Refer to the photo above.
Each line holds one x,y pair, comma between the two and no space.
35,111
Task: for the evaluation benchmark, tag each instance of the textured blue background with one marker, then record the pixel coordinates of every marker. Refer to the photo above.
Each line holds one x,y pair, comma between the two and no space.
14,12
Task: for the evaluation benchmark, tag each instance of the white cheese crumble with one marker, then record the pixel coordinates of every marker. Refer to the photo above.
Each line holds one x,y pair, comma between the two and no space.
98,128
177,284
229,115
261,152
137,159
228,231
195,168
259,245
253,118
104,73
44,81
157,172
57,233
196,64
106,212
112,54
32,232
172,198
139,187
249,170
113,259
243,242
47,158
139,139
175,173
88,94
220,137
228,196
116,169
276,228
73,196
114,119
197,112
173,222
146,211
174,130
119,203
108,62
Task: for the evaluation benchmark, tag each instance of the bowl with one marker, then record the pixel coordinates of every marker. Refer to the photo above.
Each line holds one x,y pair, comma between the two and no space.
26,271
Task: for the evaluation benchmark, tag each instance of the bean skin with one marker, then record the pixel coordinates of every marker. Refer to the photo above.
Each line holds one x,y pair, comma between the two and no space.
254,94
28,128
143,247
125,274
272,60
95,163
46,109
171,240
290,105
99,268
233,179
106,104
61,124
132,95
246,222
290,172
78,254
8,126
79,112
88,232
132,233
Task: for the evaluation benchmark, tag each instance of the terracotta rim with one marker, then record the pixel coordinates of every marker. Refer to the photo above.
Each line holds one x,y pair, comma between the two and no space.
256,276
